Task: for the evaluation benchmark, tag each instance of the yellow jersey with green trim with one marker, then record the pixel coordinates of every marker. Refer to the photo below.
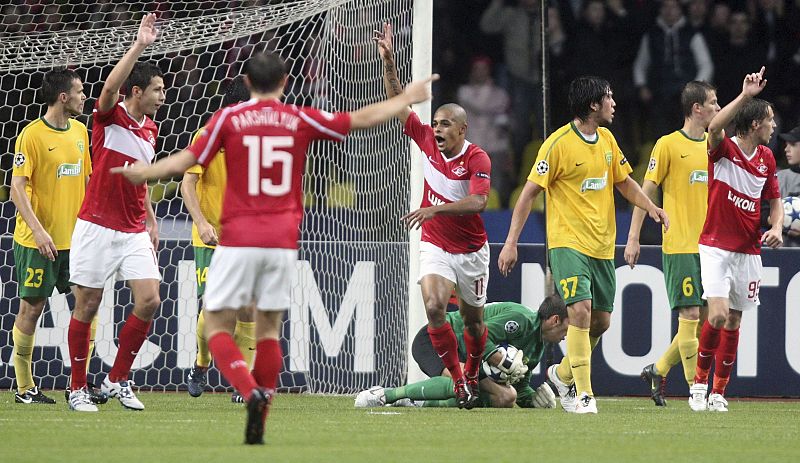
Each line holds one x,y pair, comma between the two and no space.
57,164
210,191
579,177
679,164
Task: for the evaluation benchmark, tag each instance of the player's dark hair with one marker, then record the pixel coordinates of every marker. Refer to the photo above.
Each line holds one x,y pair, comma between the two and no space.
236,92
695,91
584,92
265,71
754,110
552,305
458,113
141,75
55,83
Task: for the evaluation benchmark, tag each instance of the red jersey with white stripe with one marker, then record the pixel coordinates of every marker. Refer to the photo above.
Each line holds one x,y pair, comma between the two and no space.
118,139
447,181
265,143
736,185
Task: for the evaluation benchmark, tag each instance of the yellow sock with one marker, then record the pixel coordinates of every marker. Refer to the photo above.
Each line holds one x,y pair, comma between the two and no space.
245,338
23,343
687,344
92,334
580,358
563,369
203,355
669,358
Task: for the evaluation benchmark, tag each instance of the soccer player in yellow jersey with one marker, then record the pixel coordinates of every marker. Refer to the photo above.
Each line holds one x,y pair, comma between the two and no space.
577,165
202,191
48,183
679,164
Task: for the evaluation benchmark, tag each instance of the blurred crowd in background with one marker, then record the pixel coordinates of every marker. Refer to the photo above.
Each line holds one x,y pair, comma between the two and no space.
489,55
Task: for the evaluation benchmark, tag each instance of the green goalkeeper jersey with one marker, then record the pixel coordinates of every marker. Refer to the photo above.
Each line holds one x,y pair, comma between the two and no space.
514,324
510,323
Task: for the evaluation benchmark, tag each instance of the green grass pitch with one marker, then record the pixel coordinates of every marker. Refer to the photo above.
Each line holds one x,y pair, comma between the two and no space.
312,428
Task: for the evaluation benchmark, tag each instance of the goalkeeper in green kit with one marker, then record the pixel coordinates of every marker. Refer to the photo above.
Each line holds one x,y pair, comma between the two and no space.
515,344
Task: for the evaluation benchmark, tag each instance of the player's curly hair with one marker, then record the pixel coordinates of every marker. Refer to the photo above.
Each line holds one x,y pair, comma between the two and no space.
55,83
552,305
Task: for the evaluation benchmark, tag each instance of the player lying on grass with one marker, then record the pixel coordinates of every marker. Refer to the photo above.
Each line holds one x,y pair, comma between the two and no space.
508,379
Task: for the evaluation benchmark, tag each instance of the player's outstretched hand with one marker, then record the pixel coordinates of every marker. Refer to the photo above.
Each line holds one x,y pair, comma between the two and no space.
383,39
415,219
45,245
507,259
136,173
754,83
420,90
772,238
147,30
632,251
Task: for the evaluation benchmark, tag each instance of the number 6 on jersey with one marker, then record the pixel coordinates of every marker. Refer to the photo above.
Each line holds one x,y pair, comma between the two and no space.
264,152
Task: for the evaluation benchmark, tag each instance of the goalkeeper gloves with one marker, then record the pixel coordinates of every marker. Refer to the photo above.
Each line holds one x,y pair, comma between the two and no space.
513,367
544,397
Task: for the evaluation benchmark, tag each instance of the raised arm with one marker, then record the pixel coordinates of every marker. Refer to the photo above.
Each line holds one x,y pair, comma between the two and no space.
632,248
146,35
391,81
378,113
752,86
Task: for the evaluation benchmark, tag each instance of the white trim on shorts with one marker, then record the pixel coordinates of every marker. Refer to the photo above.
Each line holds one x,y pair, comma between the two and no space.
97,253
733,275
469,272
239,276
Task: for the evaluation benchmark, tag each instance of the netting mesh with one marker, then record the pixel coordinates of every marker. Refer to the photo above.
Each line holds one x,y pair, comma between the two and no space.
346,328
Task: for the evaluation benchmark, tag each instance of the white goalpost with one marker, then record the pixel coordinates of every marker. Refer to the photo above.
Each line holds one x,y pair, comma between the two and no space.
355,301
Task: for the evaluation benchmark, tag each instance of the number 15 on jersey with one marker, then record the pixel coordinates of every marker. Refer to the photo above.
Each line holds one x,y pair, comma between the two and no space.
265,152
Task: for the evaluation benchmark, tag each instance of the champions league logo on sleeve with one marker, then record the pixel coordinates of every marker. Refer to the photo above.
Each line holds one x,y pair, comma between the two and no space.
19,159
542,167
652,165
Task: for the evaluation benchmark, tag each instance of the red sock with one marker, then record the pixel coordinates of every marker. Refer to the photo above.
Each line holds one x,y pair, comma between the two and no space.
726,355
268,364
131,339
228,358
78,340
475,349
709,340
446,345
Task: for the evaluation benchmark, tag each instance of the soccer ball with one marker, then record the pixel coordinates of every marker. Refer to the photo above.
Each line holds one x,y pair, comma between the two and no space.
494,373
791,213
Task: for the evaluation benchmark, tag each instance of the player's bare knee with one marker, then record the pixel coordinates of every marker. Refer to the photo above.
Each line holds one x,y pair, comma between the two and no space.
436,316
504,397
733,320
30,309
600,323
580,313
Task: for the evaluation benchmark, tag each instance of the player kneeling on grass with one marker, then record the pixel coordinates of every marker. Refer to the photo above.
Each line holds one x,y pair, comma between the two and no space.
515,344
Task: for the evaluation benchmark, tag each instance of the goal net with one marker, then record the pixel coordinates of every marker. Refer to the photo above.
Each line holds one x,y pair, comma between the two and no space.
347,326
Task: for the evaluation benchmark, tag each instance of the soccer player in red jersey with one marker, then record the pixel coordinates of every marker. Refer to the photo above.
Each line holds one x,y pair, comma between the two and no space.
265,144
454,252
741,172
116,232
